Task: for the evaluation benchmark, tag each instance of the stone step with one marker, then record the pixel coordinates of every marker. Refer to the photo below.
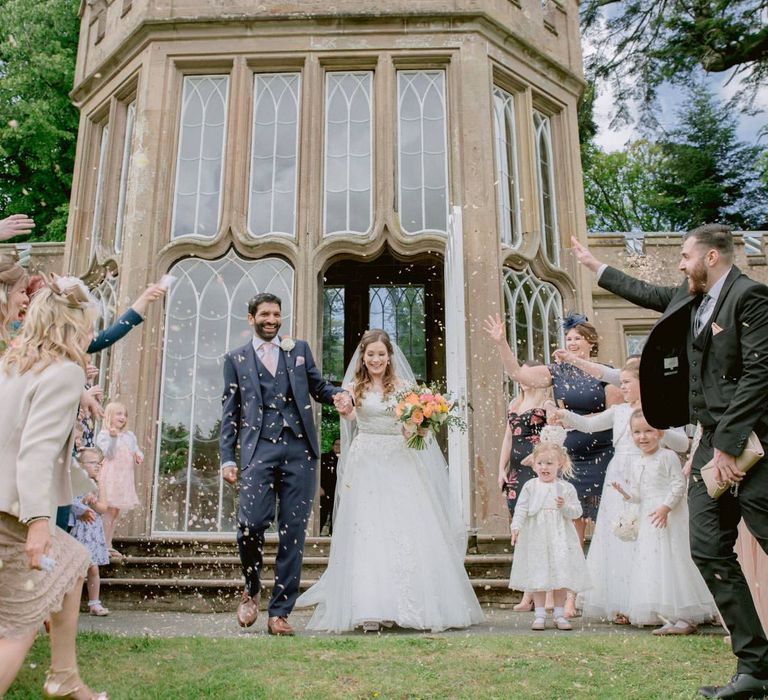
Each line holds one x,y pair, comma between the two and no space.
222,594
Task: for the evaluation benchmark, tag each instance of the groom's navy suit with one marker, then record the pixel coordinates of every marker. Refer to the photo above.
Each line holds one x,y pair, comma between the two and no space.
271,419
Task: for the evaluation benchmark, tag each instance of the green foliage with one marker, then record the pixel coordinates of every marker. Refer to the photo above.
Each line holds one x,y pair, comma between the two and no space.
329,427
711,175
38,124
641,44
623,190
697,173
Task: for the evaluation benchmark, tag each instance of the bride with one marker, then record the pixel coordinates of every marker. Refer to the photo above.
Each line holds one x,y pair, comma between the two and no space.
397,553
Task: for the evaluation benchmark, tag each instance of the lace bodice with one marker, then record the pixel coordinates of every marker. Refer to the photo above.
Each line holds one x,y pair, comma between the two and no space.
376,415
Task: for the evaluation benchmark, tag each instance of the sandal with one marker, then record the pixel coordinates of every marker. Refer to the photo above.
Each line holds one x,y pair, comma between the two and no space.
523,607
68,684
97,609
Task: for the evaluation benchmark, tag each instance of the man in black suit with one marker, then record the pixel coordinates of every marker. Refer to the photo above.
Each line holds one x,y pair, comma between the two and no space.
706,361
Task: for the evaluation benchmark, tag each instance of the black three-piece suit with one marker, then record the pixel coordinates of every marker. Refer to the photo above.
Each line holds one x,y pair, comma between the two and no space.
718,378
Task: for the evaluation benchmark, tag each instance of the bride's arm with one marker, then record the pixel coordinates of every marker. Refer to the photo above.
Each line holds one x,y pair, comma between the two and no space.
351,415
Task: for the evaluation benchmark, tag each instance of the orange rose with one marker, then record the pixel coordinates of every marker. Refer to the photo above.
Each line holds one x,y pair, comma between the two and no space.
429,410
412,398
417,417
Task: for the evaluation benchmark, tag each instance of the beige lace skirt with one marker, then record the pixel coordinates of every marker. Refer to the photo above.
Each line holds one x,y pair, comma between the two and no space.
28,596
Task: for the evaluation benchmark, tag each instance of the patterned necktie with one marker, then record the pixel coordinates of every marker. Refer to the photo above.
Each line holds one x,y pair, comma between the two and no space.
701,314
268,357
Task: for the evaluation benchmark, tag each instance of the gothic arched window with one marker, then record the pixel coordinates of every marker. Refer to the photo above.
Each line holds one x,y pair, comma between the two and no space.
534,312
106,295
545,176
205,317
507,187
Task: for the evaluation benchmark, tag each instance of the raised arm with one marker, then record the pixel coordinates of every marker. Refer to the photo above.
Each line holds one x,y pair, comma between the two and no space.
641,293
593,369
587,424
530,376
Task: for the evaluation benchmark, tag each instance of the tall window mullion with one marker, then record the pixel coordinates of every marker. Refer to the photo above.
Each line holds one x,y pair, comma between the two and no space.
274,154
507,187
348,172
422,162
125,166
200,157
545,175
98,204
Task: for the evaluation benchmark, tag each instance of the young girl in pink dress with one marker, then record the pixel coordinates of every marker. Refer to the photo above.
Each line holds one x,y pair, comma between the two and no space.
121,455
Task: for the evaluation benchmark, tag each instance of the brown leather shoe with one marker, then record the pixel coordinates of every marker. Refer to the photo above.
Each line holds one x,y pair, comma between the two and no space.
279,627
248,610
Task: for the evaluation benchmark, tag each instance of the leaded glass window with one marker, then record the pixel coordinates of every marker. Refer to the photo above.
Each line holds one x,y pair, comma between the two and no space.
200,158
106,295
205,317
534,313
507,187
125,166
422,162
274,154
348,152
333,333
400,311
98,203
545,176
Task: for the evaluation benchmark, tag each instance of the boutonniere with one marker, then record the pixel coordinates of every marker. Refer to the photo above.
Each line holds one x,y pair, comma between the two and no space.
287,344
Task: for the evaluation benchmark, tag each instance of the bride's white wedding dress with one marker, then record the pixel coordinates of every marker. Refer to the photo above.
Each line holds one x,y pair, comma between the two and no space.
395,553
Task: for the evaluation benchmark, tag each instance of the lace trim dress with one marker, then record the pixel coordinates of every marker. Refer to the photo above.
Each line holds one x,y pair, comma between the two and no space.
394,557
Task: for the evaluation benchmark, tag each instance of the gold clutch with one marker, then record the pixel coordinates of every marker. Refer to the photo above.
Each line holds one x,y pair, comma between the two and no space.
752,454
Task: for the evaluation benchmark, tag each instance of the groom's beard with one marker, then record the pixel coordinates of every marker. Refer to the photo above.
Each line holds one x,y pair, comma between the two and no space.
265,333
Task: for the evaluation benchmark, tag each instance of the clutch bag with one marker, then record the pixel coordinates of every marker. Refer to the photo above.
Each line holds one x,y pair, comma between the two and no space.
752,454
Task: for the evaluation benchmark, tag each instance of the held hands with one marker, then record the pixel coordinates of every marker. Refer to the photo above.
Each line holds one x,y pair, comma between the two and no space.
584,256
38,543
725,470
229,474
494,327
343,403
659,516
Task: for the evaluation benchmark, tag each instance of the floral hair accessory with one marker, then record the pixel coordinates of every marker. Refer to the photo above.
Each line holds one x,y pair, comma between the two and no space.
553,435
287,344
10,270
70,291
572,320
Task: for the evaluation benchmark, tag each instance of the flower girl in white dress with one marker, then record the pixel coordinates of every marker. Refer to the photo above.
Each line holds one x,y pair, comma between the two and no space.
548,554
397,552
665,585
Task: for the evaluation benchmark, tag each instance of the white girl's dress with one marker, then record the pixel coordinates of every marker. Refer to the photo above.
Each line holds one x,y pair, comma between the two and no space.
395,556
547,554
664,581
117,472
609,559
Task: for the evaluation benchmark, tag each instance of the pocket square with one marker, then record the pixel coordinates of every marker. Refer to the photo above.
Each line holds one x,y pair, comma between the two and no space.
716,329
300,360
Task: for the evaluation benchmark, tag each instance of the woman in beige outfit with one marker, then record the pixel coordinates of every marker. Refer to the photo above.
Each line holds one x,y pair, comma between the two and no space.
41,381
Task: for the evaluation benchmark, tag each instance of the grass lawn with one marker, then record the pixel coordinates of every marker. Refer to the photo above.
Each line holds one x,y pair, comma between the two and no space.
475,666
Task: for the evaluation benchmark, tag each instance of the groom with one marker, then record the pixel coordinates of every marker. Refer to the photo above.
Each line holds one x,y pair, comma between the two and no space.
266,407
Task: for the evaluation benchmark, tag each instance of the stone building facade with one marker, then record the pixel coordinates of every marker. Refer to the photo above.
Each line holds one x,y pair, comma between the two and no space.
411,164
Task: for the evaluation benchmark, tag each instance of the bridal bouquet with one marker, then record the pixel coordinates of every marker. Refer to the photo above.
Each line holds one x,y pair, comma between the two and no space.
422,411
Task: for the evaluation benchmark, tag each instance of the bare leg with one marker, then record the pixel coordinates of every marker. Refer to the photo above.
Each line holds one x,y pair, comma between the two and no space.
64,630
539,598
550,601
581,525
93,582
12,655
559,596
525,604
110,520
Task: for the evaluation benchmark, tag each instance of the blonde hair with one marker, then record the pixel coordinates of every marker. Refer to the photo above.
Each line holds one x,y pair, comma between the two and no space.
362,380
52,330
12,276
566,468
109,411
632,365
96,450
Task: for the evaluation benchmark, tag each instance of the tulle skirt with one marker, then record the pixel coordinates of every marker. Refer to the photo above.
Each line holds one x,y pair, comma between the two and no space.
393,556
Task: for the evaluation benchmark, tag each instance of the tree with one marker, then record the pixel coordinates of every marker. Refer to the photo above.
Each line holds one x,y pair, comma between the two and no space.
38,123
697,173
652,42
623,189
711,175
